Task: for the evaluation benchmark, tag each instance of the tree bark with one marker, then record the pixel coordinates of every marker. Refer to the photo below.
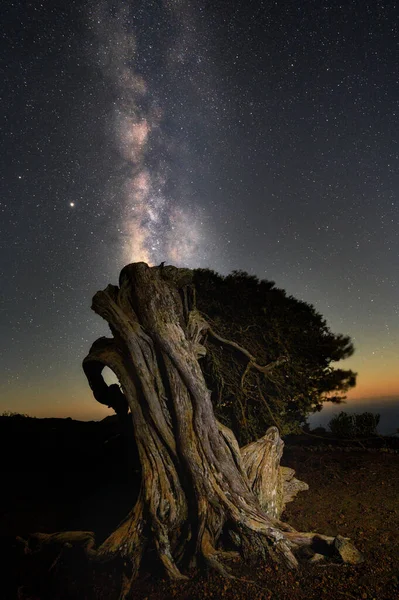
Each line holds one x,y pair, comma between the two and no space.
198,489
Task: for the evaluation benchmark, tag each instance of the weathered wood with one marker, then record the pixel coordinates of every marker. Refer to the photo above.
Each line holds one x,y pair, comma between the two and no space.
273,485
190,464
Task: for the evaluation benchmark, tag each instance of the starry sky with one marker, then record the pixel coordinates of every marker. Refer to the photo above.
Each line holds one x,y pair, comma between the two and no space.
255,135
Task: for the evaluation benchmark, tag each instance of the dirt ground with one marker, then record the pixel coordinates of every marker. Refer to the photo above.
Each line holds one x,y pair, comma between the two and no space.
353,492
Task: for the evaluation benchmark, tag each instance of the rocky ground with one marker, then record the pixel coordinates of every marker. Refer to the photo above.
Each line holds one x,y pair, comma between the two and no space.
61,475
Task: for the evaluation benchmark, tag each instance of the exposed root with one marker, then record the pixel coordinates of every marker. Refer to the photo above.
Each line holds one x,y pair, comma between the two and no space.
36,542
162,545
212,557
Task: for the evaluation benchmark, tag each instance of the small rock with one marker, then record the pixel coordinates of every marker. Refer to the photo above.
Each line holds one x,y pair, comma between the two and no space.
347,551
317,558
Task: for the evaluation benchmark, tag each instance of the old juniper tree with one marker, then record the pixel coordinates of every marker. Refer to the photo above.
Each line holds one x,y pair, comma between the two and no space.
202,500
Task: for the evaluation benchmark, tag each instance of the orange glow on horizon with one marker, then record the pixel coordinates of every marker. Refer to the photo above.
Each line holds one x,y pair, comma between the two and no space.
65,397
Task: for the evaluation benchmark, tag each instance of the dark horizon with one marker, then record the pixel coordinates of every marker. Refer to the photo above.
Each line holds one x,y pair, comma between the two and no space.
386,406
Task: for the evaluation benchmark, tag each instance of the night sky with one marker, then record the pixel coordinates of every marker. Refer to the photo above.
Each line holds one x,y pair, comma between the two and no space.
233,135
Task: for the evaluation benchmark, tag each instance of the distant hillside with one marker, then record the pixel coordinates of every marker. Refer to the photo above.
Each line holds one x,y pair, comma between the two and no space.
27,442
387,407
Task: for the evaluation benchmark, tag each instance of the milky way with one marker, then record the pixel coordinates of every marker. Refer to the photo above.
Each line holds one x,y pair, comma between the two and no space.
157,222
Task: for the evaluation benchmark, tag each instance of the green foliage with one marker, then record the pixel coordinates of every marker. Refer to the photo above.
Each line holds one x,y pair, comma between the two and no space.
15,415
366,423
319,431
353,426
343,425
269,324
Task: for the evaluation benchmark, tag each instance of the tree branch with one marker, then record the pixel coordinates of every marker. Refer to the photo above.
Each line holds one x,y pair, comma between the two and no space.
265,369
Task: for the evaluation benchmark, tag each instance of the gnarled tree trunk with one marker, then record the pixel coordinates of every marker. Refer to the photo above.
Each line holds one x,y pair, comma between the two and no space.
200,497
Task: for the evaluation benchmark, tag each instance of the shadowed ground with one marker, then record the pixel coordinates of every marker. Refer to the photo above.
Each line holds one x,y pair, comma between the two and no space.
352,492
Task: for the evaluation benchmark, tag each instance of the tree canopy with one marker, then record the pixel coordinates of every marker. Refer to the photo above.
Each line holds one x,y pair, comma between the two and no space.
278,330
